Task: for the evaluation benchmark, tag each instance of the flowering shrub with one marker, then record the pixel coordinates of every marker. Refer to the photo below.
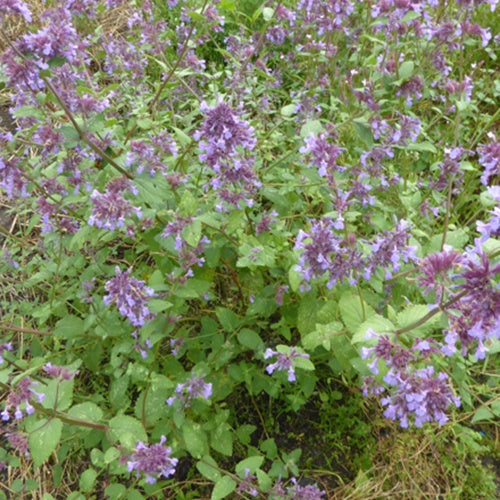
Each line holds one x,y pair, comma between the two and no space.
225,202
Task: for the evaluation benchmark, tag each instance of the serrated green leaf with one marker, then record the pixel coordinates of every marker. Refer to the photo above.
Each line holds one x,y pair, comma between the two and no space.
156,396
364,132
221,439
115,491
97,457
208,468
28,111
307,314
265,482
495,407
158,305
251,339
192,233
353,312
410,16
482,413
304,364
44,436
195,439
227,319
267,13
223,487
69,327
58,394
422,146
250,463
311,127
288,110
406,70
87,480
457,239
322,336
378,324
86,411
111,454
294,279
412,314
127,430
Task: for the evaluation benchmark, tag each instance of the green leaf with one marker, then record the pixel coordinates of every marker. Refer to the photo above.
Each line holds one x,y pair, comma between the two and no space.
265,482
69,327
288,110
189,203
28,111
495,406
415,313
253,254
377,323
311,127
192,233
410,16
269,448
267,13
87,480
97,458
457,239
127,430
208,468
58,394
195,439
111,455
295,279
322,336
227,319
158,305
134,494
223,487
406,70
156,396
364,132
115,491
482,413
422,146
251,339
193,289
307,314
304,364
221,439
182,138
44,436
250,463
351,311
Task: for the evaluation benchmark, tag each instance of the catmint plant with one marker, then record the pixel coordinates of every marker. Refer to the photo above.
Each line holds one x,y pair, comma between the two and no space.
228,223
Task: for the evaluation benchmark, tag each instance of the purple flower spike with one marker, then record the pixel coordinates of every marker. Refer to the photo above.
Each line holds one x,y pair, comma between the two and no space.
284,361
130,296
193,388
22,394
111,208
153,461
15,7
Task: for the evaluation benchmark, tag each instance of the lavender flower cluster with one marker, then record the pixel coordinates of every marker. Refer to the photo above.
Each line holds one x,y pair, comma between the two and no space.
130,296
194,387
19,400
284,361
225,141
326,254
152,461
416,395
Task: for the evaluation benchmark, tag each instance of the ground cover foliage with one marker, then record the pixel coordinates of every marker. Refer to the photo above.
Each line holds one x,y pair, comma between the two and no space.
255,250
